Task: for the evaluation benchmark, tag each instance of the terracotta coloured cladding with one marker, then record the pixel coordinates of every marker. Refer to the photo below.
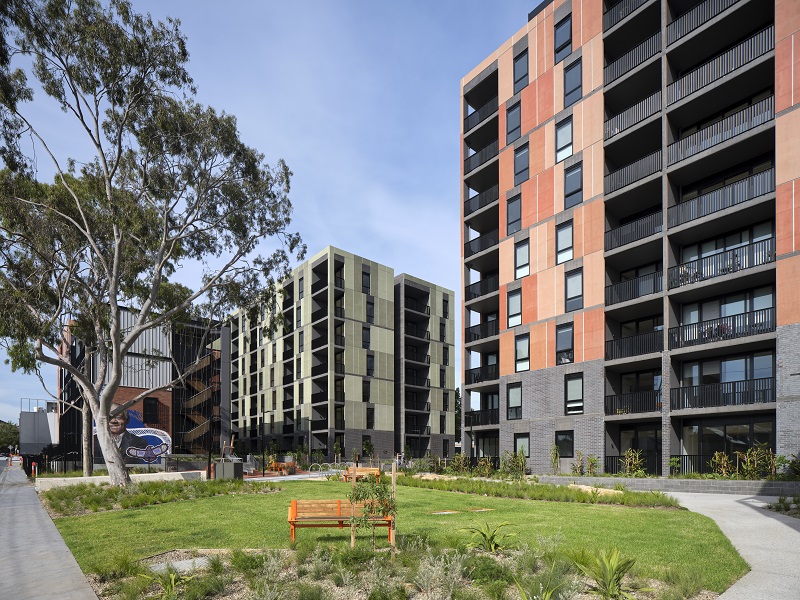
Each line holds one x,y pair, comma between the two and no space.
787,147
788,305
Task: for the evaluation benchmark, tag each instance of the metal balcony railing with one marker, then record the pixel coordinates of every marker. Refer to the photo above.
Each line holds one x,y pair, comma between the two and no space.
338,311
724,263
725,197
415,430
481,374
480,331
417,332
485,198
319,397
635,345
319,285
728,128
338,368
319,370
633,172
481,156
288,429
725,328
632,116
632,59
339,340
633,403
487,285
694,463
694,18
732,393
633,231
652,283
412,304
619,11
288,403
338,282
317,424
721,65
481,114
418,405
479,244
479,418
339,397
320,313
319,342
419,357
417,380
615,464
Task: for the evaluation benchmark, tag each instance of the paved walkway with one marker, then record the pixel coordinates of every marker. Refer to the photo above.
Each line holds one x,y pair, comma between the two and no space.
35,563
768,541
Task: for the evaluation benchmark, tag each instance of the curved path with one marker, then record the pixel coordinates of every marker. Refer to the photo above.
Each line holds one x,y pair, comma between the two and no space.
35,563
768,541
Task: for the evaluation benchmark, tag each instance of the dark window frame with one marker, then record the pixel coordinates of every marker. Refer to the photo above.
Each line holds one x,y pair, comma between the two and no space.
509,295
564,49
565,353
520,436
513,134
571,248
515,225
565,445
573,303
522,173
520,79
573,411
573,197
572,95
526,266
566,147
513,413
366,282
526,358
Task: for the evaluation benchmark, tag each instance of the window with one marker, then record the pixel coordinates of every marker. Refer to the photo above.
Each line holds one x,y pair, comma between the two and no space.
521,353
370,365
299,313
573,186
572,84
300,289
522,444
564,242
300,341
445,448
365,389
442,332
365,337
150,415
514,215
442,424
565,440
365,279
445,308
445,356
370,311
563,39
445,401
442,378
274,352
521,164
521,260
573,394
520,71
574,290
274,400
300,393
564,139
370,417
514,397
514,308
272,377
513,123
565,344
298,366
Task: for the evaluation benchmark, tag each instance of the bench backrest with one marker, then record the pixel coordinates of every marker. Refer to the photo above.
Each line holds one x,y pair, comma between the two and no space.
323,508
363,471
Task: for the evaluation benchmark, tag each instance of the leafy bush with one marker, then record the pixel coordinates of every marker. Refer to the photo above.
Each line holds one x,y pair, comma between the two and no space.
489,538
484,467
459,465
513,465
607,570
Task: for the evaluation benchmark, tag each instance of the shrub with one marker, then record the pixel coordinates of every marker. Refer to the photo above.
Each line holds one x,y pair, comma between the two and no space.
484,569
459,465
310,592
489,538
513,465
484,467
592,465
632,463
439,576
607,570
577,464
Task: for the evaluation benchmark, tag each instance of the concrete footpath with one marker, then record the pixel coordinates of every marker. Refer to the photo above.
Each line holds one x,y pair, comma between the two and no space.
35,563
768,541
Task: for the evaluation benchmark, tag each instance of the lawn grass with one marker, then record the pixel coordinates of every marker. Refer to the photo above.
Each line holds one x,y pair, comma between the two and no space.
659,539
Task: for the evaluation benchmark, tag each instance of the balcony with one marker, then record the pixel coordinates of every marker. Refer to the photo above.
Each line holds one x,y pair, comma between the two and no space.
699,15
287,379
417,380
634,403
319,397
633,231
319,370
483,199
725,328
732,393
694,463
644,167
318,424
481,156
338,312
479,244
632,116
339,424
481,114
480,288
318,314
419,357
652,283
338,282
635,345
319,342
728,128
620,11
416,305
418,406
417,332
288,404
338,340
414,430
288,429
722,65
338,368
632,59
730,195
479,418
481,331
724,263
319,285
339,397
481,374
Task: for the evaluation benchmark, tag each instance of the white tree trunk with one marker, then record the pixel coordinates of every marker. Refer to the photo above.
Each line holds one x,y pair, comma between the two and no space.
86,440
115,463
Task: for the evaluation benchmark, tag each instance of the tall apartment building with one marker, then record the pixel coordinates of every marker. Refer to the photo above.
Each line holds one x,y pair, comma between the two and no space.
631,173
352,359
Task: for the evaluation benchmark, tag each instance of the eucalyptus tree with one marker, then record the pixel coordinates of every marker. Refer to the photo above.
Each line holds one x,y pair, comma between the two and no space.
166,182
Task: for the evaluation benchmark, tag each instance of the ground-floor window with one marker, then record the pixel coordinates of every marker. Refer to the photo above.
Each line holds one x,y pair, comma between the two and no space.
728,435
565,440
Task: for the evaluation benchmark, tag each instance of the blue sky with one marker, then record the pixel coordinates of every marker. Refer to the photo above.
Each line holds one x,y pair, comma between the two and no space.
360,98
